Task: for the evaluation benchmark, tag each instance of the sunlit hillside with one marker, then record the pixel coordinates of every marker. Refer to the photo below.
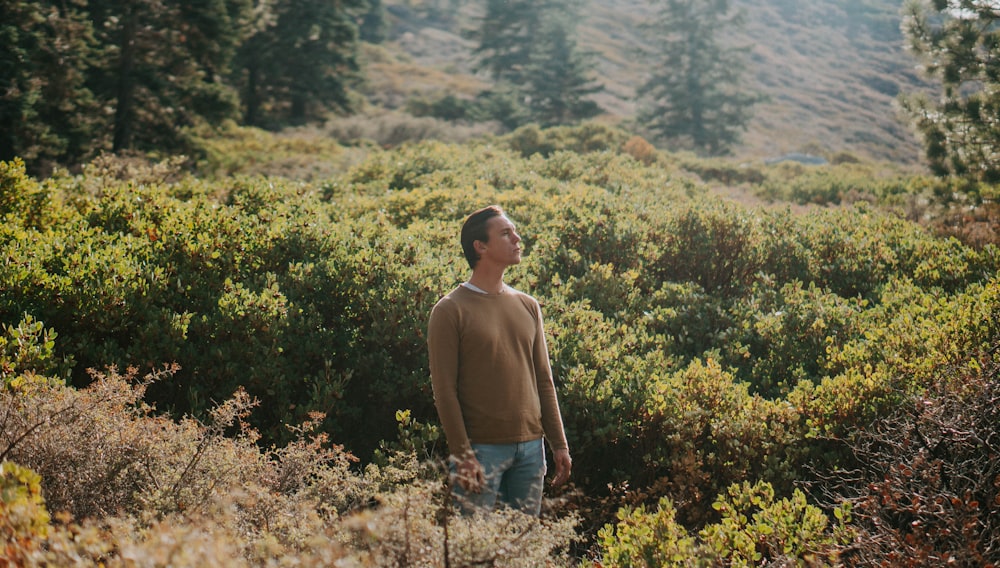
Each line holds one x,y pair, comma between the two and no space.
832,71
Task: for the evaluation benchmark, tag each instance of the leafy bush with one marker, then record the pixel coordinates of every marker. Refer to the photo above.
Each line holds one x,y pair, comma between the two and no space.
845,182
697,344
589,137
754,529
294,154
24,520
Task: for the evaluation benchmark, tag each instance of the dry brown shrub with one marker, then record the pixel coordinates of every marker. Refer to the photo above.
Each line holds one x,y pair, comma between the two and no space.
417,526
925,486
640,149
130,488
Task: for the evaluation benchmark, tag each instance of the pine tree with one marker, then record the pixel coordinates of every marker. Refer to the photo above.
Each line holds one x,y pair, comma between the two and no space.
959,42
557,75
163,66
505,38
372,27
300,61
529,49
47,114
693,96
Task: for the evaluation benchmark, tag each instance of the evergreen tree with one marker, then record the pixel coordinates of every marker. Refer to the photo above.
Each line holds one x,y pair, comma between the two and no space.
693,96
47,114
300,60
506,35
557,74
163,66
372,27
529,49
959,42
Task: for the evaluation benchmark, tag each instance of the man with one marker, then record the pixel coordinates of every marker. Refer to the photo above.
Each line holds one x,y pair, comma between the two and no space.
491,377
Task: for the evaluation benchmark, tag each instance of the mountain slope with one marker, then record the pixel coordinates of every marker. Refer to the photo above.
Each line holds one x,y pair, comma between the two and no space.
831,71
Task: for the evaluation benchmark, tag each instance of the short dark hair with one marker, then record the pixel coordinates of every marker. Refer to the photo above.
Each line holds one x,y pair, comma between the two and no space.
474,229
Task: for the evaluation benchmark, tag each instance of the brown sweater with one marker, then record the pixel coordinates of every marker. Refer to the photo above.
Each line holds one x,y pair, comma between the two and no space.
490,370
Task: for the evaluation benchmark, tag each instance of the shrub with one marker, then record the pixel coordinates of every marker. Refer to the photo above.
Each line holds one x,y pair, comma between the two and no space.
648,538
787,335
754,529
588,137
27,354
190,494
24,520
696,343
703,431
391,130
925,481
640,149
715,245
757,528
246,151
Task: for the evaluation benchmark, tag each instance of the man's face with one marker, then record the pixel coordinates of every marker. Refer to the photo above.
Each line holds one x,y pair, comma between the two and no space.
503,247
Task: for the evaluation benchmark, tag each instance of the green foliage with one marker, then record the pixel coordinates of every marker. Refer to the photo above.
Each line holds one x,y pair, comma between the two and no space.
27,354
558,72
24,520
160,67
754,528
647,538
826,185
697,344
297,60
703,431
246,151
506,36
958,43
89,76
583,139
788,334
48,112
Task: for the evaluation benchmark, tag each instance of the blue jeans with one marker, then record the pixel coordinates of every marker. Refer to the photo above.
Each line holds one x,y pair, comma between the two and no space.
514,477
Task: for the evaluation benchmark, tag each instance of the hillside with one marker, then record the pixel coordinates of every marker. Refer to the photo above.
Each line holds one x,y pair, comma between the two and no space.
831,71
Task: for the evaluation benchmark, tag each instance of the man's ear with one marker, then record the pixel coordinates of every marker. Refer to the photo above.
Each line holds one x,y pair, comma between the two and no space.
480,246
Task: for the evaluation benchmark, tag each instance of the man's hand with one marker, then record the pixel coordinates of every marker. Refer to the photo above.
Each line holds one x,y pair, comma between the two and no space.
470,473
564,464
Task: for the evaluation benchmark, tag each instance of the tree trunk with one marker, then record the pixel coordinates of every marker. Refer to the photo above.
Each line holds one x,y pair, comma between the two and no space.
251,98
126,85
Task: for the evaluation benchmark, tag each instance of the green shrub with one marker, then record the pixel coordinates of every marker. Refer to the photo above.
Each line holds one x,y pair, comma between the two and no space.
714,244
27,354
787,335
647,538
703,431
754,529
24,520
589,137
696,343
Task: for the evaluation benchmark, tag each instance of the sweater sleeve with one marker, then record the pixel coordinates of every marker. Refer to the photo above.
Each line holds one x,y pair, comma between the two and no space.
443,349
552,422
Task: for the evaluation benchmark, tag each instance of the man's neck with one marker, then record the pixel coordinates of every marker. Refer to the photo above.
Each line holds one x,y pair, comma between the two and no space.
490,281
